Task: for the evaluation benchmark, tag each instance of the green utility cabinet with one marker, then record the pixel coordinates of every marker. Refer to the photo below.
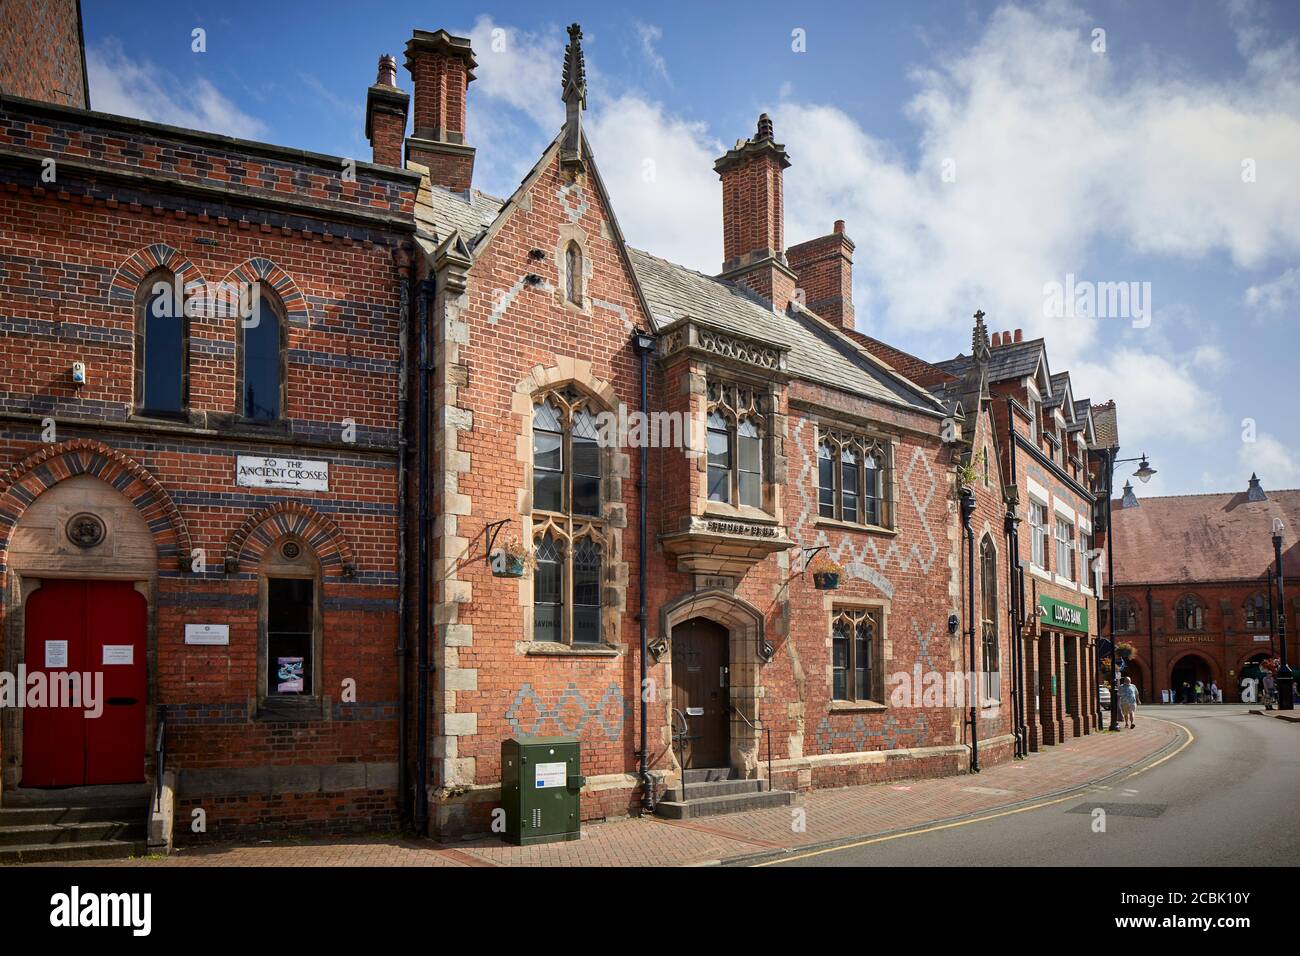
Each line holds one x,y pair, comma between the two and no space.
540,786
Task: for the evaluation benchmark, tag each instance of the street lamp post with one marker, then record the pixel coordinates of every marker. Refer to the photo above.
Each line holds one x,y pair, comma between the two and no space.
1285,679
1143,474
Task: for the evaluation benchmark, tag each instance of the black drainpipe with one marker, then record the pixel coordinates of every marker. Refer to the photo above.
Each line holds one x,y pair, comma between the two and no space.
403,391
425,298
968,509
645,346
1017,584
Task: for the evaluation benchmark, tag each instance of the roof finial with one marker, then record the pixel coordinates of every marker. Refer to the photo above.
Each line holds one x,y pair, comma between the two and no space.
575,100
575,67
979,338
1253,490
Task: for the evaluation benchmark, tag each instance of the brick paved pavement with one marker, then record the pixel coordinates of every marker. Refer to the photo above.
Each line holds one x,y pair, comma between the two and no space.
821,817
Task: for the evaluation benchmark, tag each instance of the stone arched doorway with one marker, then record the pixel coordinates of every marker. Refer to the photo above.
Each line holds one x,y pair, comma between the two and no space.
83,561
746,651
1187,670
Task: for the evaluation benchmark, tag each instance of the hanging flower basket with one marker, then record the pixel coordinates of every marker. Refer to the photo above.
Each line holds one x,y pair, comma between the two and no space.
1126,651
512,560
826,574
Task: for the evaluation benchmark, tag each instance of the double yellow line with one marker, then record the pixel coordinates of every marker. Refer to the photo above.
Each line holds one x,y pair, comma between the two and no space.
1074,795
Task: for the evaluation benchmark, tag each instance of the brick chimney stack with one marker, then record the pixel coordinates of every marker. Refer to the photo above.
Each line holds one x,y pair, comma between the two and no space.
753,216
825,270
386,111
442,67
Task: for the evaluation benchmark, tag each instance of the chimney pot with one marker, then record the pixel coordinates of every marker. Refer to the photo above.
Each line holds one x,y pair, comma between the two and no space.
839,226
386,112
753,216
1018,335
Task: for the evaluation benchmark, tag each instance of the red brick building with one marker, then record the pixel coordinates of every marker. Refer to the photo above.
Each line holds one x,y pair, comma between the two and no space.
1044,440
199,496
445,373
1195,598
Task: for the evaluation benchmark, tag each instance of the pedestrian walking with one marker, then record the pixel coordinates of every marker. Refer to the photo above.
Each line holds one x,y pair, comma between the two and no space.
1270,689
1128,700
1215,693
1200,692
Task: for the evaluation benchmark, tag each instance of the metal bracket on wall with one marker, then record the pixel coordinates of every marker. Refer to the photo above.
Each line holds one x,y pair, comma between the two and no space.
491,531
810,553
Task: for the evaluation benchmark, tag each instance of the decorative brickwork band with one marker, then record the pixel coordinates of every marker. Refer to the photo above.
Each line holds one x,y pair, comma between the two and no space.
28,479
129,275
265,271
263,528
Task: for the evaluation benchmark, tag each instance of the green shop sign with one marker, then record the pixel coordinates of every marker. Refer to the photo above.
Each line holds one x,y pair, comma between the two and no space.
1054,613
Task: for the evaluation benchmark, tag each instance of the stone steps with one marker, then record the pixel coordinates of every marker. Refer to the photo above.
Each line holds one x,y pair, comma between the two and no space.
36,830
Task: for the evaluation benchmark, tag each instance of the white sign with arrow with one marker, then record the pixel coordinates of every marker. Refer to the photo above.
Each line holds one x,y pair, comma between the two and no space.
292,473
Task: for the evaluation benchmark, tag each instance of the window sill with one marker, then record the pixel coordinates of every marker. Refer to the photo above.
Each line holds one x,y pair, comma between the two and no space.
719,509
294,709
854,526
1066,583
1039,572
857,706
555,649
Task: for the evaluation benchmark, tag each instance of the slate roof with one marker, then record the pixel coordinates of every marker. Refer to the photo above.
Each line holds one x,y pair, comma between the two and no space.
1017,360
439,211
816,353
1060,385
1200,538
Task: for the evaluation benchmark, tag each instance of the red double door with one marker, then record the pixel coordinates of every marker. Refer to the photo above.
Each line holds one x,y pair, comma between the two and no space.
96,629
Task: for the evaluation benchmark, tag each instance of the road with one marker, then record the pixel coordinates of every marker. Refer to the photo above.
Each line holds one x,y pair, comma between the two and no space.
1229,798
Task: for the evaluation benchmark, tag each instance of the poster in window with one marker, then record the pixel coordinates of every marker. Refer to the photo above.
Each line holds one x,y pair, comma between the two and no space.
289,675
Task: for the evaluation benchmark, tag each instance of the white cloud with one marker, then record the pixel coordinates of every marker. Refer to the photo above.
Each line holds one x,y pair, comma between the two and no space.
130,86
1278,296
1160,398
659,172
1276,464
1055,152
649,35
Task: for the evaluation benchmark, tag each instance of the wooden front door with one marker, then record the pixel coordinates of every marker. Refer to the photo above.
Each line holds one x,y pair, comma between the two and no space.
95,629
701,691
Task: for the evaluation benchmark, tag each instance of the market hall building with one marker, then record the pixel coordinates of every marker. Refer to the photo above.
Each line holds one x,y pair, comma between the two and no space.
293,511
1197,597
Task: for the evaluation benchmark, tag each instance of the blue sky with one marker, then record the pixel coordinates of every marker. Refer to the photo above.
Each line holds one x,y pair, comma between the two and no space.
977,151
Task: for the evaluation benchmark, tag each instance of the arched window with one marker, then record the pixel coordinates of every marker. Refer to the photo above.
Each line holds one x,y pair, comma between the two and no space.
262,344
857,490
1126,616
1189,613
573,273
289,630
568,530
161,339
1257,616
736,426
856,655
989,662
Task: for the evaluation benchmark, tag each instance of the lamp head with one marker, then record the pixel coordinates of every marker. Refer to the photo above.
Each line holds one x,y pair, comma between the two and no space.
1145,471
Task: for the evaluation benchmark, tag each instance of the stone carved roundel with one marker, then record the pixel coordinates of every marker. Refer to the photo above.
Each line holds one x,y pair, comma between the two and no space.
85,530
291,550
